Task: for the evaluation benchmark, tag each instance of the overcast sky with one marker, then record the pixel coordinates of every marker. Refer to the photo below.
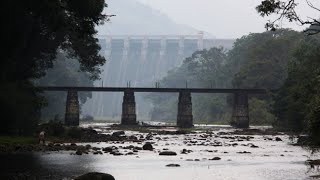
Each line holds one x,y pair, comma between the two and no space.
222,18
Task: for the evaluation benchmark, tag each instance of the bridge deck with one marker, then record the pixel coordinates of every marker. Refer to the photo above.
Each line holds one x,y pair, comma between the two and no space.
144,89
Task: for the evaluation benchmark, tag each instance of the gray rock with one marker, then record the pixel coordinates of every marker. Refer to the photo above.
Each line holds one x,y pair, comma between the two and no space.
147,146
244,152
97,152
95,176
215,158
254,146
78,152
118,133
168,153
107,149
173,165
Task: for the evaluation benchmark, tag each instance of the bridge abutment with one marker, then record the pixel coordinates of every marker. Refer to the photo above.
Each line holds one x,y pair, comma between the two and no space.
128,116
240,115
185,118
72,109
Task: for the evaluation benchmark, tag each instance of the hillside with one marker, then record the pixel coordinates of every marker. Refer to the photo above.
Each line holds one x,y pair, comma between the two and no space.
133,18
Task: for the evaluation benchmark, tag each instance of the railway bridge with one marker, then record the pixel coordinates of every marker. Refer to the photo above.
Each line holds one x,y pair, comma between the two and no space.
240,115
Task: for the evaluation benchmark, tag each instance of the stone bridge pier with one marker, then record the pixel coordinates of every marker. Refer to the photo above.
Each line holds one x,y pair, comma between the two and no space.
240,115
72,109
185,118
128,116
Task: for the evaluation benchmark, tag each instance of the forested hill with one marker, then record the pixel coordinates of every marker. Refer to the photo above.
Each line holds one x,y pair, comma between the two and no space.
257,60
132,17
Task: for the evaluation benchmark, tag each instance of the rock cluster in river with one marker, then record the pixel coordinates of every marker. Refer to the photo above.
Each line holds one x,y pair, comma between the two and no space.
147,141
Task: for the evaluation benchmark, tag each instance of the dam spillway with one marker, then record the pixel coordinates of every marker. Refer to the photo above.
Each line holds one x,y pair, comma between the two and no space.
140,60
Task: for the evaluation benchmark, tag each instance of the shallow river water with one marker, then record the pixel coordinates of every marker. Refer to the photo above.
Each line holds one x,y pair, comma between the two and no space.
272,159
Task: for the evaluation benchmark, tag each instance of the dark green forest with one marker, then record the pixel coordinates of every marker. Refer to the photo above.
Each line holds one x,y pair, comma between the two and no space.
285,62
65,72
33,32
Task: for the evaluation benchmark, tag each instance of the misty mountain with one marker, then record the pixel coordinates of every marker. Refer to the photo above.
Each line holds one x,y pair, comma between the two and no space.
135,18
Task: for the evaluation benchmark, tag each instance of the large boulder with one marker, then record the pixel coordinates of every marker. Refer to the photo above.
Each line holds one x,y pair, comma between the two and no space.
95,176
147,146
79,152
118,133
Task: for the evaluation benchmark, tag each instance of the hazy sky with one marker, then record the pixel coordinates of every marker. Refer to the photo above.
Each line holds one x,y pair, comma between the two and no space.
222,18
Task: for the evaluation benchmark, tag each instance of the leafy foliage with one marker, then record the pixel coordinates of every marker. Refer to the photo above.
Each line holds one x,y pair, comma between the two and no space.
202,69
286,9
34,30
263,59
65,72
297,102
257,60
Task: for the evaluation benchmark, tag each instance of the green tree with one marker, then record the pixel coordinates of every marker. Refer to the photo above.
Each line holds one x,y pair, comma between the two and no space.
260,60
207,67
286,9
65,72
33,31
297,102
202,69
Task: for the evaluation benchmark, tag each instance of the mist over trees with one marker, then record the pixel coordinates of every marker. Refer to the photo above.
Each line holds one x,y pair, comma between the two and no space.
284,61
65,72
297,101
33,32
202,69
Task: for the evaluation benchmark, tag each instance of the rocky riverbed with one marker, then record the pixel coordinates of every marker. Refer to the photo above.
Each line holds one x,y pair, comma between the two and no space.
210,153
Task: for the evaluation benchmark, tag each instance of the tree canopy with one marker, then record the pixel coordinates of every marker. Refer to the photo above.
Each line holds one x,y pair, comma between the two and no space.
65,72
286,9
258,60
35,29
297,102
32,33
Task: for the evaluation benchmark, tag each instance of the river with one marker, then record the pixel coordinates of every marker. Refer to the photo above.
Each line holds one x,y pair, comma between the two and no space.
267,160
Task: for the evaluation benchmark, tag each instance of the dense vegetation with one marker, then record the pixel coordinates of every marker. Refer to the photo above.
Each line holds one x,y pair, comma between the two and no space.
297,102
33,32
284,61
65,72
281,10
256,61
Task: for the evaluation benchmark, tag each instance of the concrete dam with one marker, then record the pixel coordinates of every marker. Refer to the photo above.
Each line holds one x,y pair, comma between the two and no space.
140,60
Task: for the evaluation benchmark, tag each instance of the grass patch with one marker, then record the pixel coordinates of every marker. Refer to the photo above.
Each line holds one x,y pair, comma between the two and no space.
18,140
